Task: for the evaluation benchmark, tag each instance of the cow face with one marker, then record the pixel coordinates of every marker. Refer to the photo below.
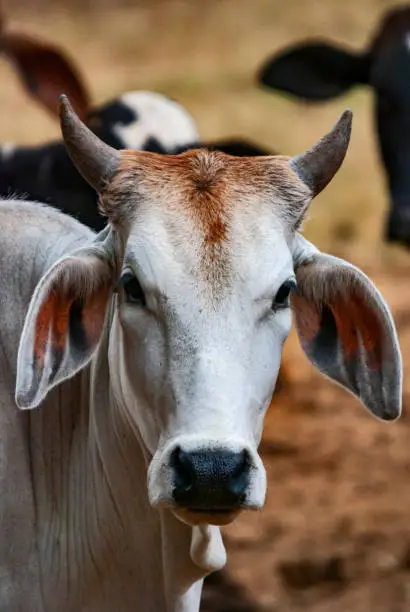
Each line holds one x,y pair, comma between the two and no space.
202,321
204,256
317,71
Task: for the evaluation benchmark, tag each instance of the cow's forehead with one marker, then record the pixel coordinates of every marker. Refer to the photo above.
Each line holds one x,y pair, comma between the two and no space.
204,186
207,215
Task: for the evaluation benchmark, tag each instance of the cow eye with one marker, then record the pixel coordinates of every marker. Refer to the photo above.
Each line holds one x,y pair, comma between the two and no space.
282,297
133,291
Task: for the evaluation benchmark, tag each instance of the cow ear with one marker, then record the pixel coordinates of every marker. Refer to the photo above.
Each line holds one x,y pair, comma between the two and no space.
314,71
346,330
45,72
63,325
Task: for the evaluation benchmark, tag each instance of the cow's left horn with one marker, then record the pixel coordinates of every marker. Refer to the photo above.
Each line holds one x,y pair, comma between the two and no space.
317,166
96,161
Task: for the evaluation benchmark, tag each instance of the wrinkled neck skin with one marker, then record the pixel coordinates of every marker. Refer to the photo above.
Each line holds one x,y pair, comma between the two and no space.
102,546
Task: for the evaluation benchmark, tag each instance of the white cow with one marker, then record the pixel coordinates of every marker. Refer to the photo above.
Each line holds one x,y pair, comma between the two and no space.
151,351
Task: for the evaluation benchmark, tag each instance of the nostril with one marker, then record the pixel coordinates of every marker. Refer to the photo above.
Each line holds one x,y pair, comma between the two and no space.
243,463
240,476
184,470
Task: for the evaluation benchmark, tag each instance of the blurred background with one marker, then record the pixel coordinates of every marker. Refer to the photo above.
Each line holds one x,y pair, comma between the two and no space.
335,532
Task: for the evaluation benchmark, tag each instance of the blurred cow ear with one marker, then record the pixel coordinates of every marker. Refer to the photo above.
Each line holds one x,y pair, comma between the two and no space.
45,72
346,329
314,71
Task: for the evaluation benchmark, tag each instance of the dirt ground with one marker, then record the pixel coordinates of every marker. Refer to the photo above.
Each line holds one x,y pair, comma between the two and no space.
335,533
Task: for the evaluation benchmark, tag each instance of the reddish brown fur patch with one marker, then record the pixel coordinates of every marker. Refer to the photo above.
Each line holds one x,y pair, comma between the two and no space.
217,232
356,321
206,184
205,192
358,324
73,282
308,318
93,315
53,314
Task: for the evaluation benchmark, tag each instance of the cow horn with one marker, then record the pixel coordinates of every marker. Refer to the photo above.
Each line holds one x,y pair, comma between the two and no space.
96,161
317,166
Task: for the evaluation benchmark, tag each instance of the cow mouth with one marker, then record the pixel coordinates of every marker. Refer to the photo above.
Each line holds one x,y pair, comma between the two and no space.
209,516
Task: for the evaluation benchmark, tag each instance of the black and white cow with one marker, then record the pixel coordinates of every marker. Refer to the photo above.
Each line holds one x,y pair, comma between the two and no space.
319,70
136,120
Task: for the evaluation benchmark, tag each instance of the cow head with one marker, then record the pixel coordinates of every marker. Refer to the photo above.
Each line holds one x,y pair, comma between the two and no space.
317,71
198,272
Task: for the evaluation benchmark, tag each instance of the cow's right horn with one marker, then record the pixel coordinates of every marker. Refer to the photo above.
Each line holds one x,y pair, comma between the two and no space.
96,161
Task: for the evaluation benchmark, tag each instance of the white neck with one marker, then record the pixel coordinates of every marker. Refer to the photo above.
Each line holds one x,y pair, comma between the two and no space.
102,547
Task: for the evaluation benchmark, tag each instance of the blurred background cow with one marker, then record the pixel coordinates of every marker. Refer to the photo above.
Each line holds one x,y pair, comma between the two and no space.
318,70
335,531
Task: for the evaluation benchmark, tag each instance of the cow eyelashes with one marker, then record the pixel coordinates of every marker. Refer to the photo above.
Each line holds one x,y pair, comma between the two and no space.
281,299
134,293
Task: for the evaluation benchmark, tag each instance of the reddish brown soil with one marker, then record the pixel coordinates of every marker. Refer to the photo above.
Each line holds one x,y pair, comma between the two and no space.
335,532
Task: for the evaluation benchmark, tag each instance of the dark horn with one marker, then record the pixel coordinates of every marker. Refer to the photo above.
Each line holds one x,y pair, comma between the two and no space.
317,166
96,161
